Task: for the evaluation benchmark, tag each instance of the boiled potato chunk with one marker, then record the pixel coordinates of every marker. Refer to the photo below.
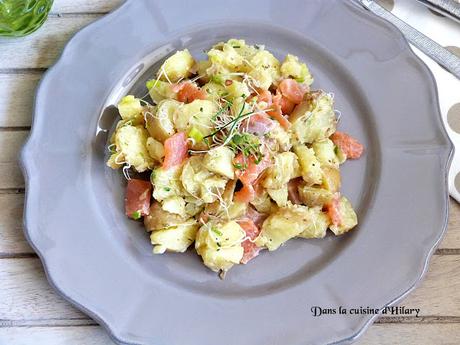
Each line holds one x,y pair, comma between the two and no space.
318,224
174,204
177,66
160,90
325,152
197,114
237,89
282,225
166,183
348,216
200,182
331,178
281,138
310,167
219,245
174,239
313,119
214,90
131,148
160,125
220,161
313,196
293,68
130,108
159,219
280,195
266,69
285,168
262,202
155,149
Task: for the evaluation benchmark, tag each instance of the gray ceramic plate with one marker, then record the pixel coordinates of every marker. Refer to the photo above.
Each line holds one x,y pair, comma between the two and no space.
102,262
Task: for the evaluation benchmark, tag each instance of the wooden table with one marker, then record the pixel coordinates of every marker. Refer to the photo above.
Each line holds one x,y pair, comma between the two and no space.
32,313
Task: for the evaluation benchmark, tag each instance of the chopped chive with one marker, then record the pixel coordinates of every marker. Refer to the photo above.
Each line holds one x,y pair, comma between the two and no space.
136,215
216,231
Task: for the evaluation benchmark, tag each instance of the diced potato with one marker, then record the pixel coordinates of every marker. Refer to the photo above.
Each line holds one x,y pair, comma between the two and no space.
282,225
219,245
285,168
331,178
155,149
281,137
200,182
159,219
237,89
220,161
239,107
177,66
160,125
167,182
212,187
310,167
293,68
341,156
130,108
214,90
174,204
193,206
190,175
131,148
227,57
160,90
280,196
262,202
225,207
313,119
318,224
312,196
198,115
201,68
325,152
348,215
266,69
115,161
174,239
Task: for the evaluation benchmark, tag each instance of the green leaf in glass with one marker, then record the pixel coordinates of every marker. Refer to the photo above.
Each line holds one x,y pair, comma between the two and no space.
22,17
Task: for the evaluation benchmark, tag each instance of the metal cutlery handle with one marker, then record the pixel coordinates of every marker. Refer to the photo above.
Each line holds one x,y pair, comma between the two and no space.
438,53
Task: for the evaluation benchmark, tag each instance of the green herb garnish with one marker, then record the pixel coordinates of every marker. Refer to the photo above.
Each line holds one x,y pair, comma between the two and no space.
216,231
136,215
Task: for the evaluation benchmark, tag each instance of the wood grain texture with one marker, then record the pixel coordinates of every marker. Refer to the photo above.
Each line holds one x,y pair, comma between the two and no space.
16,98
41,49
413,334
85,6
88,335
26,295
12,239
10,144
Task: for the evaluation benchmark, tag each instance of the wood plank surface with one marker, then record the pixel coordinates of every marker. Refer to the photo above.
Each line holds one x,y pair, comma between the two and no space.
30,310
87,335
41,49
11,143
17,93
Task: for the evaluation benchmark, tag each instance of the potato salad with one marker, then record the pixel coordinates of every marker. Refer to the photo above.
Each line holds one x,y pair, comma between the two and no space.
242,154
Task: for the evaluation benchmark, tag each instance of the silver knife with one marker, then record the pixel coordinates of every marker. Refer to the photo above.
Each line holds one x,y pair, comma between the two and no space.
434,50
